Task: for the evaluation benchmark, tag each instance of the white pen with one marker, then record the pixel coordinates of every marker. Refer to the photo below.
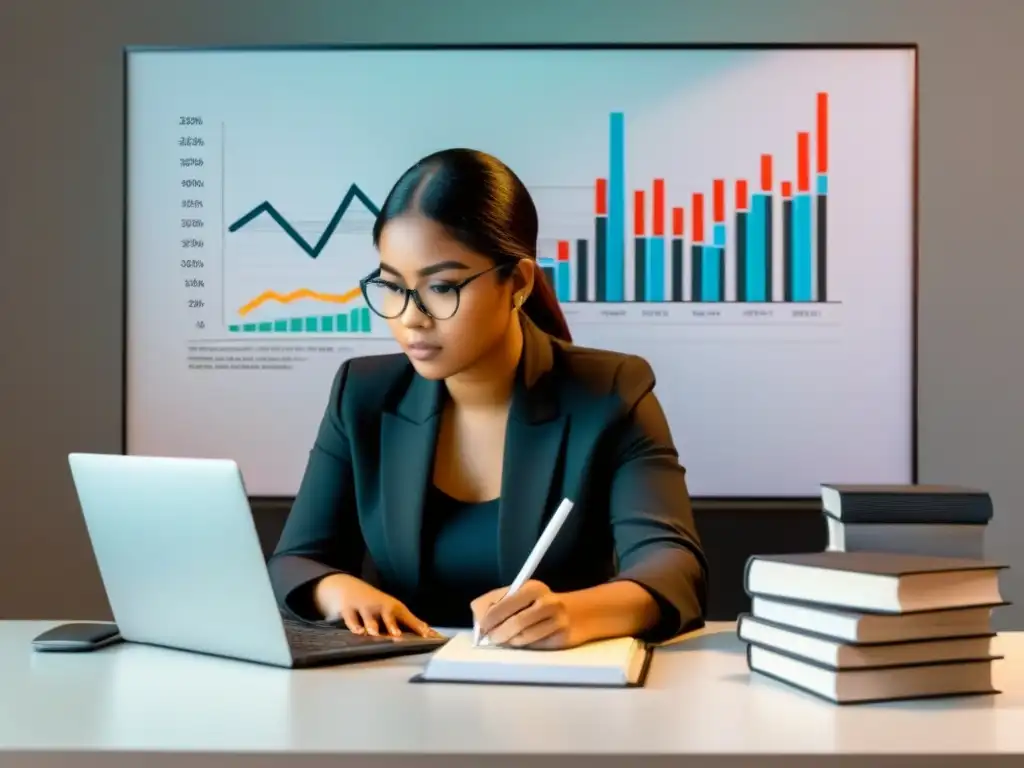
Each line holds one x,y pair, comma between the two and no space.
536,555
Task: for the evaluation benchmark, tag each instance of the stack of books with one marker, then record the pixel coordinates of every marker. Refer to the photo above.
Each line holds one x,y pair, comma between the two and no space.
938,520
886,612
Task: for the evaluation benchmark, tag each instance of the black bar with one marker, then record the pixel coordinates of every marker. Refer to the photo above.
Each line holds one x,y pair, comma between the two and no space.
549,273
695,273
787,249
769,240
639,268
741,255
600,258
582,270
677,269
822,244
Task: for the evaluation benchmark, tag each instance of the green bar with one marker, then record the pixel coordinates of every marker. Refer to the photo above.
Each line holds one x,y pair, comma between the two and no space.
233,328
280,325
266,326
342,323
365,312
249,327
295,324
327,323
310,323
354,323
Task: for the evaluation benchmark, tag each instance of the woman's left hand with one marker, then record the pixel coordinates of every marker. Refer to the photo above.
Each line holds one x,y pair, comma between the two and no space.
534,617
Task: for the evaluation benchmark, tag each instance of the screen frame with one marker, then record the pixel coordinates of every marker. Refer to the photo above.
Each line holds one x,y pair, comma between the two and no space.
767,503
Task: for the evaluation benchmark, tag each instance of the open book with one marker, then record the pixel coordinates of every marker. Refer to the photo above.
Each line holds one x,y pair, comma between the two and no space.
620,662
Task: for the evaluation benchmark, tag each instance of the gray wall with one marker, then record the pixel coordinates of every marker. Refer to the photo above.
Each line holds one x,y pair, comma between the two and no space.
61,132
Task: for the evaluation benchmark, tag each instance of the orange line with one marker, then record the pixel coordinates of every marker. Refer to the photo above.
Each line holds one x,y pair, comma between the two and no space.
301,293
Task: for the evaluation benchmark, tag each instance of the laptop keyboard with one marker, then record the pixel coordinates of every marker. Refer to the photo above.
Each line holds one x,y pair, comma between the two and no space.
318,637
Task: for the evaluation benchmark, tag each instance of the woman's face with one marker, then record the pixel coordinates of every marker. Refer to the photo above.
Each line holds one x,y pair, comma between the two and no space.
418,253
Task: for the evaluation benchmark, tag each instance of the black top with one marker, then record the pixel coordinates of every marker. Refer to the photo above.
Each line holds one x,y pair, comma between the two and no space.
460,558
583,424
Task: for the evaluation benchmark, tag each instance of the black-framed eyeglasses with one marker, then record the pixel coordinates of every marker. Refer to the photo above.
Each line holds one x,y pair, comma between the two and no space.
439,300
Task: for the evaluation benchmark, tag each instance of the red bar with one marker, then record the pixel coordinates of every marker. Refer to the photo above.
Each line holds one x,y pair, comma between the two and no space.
658,214
822,133
638,213
741,194
719,201
766,173
601,197
787,189
563,250
677,222
698,217
803,161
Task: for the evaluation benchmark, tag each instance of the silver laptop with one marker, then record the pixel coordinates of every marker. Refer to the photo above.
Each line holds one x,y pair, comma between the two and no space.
182,565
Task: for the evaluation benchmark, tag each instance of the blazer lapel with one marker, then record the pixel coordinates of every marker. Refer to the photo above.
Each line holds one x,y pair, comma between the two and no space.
533,454
408,442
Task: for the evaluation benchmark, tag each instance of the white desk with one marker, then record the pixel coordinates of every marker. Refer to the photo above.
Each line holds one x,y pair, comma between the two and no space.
138,706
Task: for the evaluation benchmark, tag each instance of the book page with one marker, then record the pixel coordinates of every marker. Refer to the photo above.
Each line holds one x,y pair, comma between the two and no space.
617,652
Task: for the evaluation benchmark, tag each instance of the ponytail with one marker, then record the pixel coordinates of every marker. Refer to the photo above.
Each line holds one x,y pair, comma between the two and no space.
542,307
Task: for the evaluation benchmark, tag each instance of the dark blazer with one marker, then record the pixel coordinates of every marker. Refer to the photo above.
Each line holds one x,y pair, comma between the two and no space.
583,424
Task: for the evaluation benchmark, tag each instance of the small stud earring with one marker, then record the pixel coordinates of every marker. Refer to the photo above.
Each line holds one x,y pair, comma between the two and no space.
519,301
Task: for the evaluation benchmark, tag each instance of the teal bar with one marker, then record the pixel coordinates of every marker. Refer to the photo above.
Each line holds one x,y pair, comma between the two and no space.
295,324
280,325
711,288
327,323
355,321
654,287
249,327
803,284
365,312
311,324
233,328
342,323
266,327
615,253
757,266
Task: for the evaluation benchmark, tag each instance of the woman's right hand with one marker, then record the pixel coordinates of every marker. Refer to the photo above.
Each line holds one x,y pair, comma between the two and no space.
364,608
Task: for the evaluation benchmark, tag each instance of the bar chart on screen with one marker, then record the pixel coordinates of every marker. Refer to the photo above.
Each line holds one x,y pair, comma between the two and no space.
755,240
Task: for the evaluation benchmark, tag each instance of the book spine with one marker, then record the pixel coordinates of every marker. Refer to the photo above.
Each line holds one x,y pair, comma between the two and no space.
746,575
914,509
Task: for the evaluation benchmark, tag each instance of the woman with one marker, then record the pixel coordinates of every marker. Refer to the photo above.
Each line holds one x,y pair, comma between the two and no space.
438,467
